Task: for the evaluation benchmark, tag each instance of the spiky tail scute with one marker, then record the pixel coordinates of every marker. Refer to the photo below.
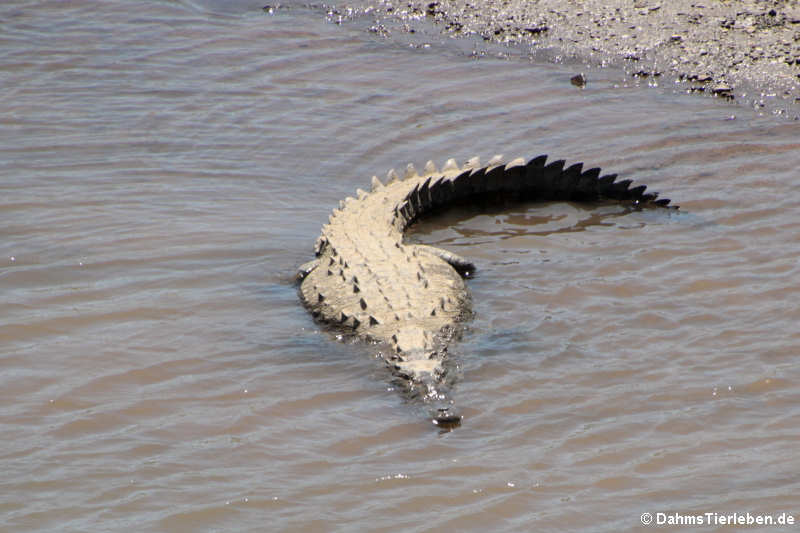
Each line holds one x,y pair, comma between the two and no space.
534,181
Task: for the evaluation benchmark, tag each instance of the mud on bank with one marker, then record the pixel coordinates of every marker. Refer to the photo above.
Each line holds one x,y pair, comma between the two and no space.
747,50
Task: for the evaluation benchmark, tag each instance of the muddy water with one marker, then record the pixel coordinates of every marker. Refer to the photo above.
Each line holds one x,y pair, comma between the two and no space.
165,167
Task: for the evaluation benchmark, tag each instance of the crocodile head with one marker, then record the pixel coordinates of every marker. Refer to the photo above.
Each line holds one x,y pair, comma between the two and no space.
437,401
419,362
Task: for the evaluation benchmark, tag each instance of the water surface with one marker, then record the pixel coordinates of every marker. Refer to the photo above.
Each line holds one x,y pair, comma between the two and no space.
164,168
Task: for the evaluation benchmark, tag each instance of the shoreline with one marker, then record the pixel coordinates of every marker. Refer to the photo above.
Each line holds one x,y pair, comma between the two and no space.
748,51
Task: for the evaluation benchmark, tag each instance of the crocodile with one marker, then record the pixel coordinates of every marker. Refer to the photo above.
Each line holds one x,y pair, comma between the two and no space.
411,298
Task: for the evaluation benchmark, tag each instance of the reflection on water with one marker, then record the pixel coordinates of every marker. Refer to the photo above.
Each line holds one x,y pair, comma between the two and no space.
164,169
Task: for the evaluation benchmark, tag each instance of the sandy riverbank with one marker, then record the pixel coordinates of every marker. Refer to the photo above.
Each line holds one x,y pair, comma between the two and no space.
748,50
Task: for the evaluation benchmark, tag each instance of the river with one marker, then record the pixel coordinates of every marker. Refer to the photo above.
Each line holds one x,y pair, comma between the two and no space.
166,166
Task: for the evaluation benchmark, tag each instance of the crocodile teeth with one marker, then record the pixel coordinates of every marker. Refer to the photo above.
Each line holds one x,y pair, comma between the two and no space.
450,165
361,193
391,176
410,171
496,160
472,162
376,183
430,168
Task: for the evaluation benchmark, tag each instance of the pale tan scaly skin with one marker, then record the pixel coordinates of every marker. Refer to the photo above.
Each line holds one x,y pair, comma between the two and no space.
411,296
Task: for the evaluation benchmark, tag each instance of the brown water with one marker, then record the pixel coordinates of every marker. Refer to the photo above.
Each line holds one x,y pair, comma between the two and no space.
164,168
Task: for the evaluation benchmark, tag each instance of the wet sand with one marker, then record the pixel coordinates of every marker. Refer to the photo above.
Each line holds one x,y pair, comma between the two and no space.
747,50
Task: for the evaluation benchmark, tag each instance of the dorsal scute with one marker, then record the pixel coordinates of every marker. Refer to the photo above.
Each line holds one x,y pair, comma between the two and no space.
473,163
450,166
411,172
497,159
320,243
518,162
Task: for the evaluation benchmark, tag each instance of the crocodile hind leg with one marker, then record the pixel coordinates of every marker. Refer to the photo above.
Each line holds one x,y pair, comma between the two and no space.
462,265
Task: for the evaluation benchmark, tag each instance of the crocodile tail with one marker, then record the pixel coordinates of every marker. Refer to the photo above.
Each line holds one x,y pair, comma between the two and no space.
535,180
539,180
